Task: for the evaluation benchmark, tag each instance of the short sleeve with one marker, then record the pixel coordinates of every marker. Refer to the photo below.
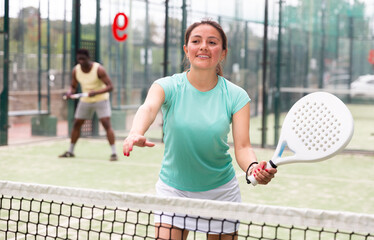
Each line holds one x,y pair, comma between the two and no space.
168,85
240,99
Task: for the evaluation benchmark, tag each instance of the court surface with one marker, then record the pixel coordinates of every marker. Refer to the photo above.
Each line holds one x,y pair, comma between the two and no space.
342,183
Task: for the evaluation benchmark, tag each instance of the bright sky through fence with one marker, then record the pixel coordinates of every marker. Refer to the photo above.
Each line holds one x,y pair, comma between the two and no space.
248,11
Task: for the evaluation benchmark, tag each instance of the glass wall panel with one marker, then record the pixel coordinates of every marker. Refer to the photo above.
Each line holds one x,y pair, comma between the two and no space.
310,45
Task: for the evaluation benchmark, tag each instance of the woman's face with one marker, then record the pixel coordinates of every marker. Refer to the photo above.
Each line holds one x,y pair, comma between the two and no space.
204,48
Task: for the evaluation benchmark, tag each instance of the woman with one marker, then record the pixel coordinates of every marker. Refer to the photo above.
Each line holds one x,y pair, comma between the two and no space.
198,107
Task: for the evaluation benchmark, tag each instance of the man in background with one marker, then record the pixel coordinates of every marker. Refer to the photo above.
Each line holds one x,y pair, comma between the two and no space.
94,81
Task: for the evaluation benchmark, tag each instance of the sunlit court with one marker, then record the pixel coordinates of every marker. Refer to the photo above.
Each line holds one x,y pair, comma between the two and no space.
221,94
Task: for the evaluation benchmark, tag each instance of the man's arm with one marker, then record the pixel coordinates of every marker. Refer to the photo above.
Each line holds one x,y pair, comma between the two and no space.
73,85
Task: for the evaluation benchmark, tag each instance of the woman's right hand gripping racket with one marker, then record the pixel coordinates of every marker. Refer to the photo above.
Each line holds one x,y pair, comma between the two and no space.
317,127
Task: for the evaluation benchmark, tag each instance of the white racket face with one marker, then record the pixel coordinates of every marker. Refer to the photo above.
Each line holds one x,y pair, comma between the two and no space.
75,96
317,127
78,95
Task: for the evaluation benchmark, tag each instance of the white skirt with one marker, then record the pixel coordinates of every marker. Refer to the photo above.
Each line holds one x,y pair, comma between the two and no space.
227,192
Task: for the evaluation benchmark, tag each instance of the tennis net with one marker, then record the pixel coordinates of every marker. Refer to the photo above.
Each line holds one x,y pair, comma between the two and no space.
34,211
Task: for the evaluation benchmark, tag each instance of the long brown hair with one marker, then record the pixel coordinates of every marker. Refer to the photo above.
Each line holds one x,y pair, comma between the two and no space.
219,68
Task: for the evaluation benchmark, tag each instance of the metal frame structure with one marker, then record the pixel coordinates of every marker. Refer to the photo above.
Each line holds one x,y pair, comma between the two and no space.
280,45
5,91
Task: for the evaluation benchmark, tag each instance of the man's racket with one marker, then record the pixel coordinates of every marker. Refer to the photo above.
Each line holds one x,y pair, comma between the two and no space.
76,96
318,126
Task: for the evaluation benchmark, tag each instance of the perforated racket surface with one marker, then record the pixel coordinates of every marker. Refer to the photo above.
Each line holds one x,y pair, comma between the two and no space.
317,127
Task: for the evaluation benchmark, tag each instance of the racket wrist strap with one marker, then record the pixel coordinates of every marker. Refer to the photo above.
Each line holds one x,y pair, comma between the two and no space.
273,164
249,168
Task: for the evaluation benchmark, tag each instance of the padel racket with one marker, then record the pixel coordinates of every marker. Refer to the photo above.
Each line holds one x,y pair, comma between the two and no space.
76,96
317,127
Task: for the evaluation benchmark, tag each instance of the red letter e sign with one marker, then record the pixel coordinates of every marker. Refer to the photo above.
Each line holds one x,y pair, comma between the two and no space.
371,56
116,27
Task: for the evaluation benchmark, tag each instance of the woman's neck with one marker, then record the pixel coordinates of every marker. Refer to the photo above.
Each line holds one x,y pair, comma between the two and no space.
202,80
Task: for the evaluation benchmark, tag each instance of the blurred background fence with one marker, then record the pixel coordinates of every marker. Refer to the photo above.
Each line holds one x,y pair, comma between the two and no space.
278,52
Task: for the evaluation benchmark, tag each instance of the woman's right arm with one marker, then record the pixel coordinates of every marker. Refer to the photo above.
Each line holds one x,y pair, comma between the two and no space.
143,119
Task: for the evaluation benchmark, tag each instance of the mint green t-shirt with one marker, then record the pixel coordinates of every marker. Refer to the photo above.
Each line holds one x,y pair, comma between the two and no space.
196,125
